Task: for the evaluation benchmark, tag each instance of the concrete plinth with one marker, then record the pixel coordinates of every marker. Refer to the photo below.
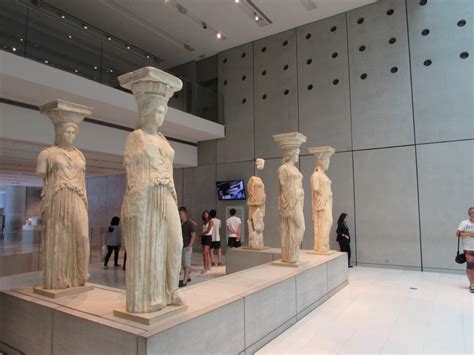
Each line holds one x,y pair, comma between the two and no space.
152,317
280,262
329,252
238,259
55,293
259,304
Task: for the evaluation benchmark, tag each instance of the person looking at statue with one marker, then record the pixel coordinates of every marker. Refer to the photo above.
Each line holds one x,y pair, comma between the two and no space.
113,241
206,240
344,237
466,232
216,239
234,227
188,231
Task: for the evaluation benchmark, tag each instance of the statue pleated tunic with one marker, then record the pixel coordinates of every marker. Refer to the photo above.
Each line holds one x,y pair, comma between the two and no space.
64,212
151,225
322,210
292,224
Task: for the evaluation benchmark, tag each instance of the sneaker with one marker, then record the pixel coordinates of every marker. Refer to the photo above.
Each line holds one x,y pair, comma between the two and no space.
106,267
118,265
213,264
182,284
189,280
203,271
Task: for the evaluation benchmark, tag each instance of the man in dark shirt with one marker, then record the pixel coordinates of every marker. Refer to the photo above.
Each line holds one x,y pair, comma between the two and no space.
188,231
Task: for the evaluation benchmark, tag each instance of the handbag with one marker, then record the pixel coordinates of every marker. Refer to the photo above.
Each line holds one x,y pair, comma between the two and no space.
460,257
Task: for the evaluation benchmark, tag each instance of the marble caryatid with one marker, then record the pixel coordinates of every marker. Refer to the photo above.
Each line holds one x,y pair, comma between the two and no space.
64,200
256,201
291,201
150,219
322,199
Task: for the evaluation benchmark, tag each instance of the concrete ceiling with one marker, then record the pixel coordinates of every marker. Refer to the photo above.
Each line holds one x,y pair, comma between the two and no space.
173,30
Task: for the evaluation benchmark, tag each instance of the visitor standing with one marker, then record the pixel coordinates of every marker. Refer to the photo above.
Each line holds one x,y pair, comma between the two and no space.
216,238
344,237
189,234
466,232
113,240
206,240
234,226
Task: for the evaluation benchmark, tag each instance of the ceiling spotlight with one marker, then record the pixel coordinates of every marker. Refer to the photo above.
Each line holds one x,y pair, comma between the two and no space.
46,62
237,1
85,27
111,71
128,47
147,57
109,38
69,36
218,35
76,71
63,17
14,49
95,67
21,39
257,18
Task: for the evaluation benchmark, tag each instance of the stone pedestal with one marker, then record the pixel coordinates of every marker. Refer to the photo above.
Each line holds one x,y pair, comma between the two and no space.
299,263
259,304
152,317
55,293
238,259
329,252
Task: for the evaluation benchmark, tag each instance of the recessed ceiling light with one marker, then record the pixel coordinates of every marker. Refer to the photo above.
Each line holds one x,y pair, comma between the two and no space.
218,35
111,71
85,27
257,18
128,47
21,39
147,57
237,1
46,62
69,36
109,38
95,67
63,16
14,49
76,71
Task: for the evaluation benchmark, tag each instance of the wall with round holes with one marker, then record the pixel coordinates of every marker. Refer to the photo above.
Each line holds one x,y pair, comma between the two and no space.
235,75
389,85
323,83
275,96
442,50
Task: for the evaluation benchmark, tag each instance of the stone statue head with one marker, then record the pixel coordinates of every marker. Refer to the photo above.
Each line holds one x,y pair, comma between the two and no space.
290,144
260,163
66,117
323,156
151,110
291,155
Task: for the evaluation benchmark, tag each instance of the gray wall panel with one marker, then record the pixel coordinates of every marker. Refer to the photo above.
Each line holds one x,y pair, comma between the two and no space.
324,108
446,180
443,93
235,65
340,173
207,152
277,113
199,192
233,171
97,197
115,192
387,207
381,104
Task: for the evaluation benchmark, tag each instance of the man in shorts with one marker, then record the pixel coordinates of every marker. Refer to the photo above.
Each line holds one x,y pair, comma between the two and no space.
234,225
188,231
216,238
466,232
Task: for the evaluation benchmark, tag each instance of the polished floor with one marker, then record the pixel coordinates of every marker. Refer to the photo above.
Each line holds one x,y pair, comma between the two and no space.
385,311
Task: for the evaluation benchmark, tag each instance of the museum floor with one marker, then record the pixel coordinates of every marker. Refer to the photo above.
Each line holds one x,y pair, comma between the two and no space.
385,311
380,311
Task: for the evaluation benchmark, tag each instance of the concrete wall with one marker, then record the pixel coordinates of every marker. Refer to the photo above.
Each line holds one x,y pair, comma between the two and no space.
362,82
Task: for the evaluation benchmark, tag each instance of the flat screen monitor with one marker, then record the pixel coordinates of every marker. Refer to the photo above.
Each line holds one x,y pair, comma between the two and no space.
231,190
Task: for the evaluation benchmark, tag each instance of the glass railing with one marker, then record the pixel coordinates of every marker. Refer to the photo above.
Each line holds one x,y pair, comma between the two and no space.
34,30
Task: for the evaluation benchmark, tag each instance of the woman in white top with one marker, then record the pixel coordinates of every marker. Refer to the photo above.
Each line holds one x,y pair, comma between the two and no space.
206,240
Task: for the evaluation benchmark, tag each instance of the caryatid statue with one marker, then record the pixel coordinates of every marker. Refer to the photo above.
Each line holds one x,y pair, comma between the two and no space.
64,200
151,224
322,199
256,201
291,201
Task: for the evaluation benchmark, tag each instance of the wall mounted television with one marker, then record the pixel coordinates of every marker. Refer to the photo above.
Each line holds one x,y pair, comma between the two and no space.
231,190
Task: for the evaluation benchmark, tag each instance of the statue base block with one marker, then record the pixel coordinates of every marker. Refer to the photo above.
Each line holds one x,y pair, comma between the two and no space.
329,252
299,263
262,248
151,317
60,292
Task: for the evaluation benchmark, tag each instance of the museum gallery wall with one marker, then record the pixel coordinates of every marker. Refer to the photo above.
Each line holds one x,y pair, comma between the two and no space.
388,86
395,102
